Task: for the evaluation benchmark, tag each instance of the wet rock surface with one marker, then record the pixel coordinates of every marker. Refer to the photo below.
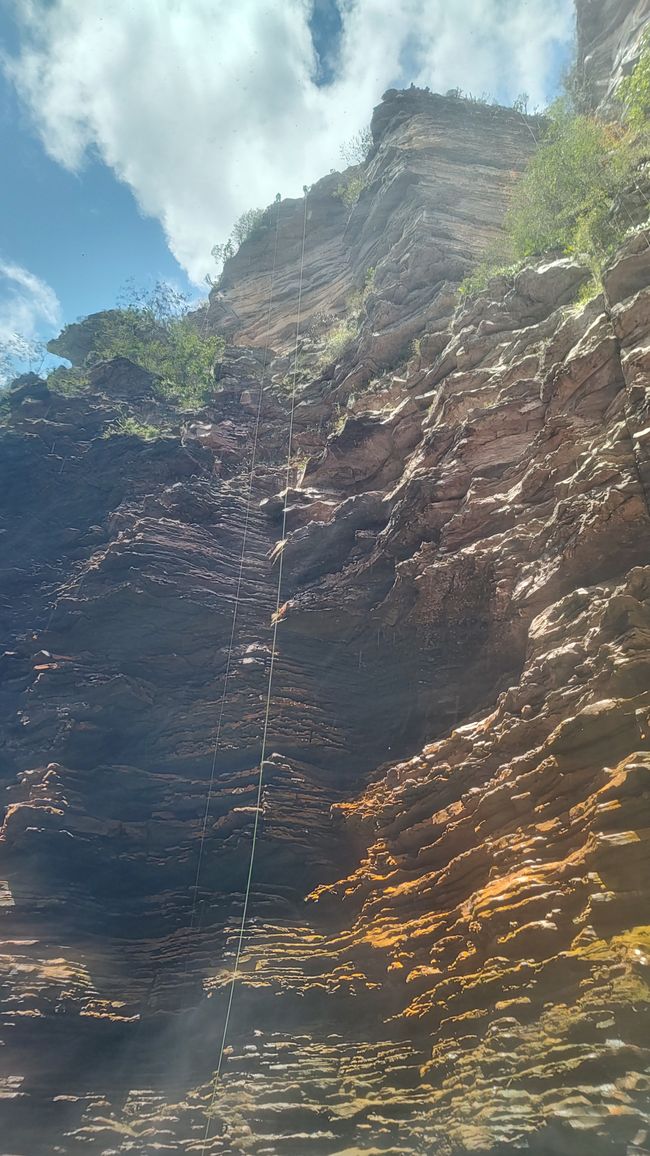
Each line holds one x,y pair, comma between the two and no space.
447,945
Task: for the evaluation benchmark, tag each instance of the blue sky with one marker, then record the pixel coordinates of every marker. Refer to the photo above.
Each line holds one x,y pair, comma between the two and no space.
81,232
136,133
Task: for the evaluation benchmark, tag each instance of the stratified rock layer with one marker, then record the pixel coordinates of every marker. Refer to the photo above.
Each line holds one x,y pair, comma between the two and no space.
609,39
433,200
447,946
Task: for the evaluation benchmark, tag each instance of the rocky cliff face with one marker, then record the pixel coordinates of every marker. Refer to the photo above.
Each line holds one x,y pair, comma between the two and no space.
608,41
447,947
433,201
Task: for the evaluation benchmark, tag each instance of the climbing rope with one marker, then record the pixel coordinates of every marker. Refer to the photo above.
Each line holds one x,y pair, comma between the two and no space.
242,557
267,711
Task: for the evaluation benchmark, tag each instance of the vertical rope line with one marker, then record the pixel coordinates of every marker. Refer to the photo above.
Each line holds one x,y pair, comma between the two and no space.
242,556
260,777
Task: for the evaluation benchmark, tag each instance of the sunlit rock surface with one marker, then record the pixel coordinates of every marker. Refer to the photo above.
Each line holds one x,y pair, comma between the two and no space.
609,35
433,201
448,942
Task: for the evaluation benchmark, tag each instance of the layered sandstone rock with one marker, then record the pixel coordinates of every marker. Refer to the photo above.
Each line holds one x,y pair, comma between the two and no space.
433,200
447,947
609,35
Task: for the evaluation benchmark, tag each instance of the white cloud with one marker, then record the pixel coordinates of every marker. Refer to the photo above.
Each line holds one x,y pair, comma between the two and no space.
28,305
205,107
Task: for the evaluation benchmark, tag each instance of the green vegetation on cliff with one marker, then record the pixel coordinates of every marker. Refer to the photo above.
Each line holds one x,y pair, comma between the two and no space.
564,198
247,225
130,426
350,188
634,90
582,189
354,153
342,333
154,331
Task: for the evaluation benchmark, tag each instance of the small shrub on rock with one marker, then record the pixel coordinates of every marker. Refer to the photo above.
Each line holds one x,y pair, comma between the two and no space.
247,225
339,340
356,150
574,195
129,426
350,189
154,331
634,90
68,381
571,178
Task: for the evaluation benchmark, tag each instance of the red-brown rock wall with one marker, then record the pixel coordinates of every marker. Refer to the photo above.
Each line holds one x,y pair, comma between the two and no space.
447,946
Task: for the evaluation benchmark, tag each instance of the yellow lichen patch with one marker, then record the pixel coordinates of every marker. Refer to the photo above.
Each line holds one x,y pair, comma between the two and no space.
384,936
422,972
506,890
104,1013
521,1001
